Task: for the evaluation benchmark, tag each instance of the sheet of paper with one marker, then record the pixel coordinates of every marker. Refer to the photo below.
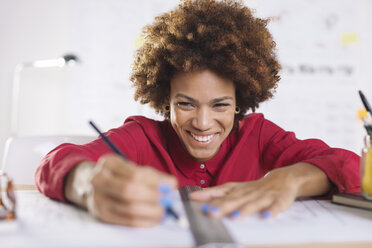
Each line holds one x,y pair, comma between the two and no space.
43,222
305,221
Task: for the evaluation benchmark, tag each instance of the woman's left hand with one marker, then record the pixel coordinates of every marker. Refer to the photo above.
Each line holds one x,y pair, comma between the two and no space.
269,195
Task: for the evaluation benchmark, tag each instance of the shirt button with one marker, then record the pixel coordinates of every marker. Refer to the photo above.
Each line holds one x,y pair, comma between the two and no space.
202,166
202,181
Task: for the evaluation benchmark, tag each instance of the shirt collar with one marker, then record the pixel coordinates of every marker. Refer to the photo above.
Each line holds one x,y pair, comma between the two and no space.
188,165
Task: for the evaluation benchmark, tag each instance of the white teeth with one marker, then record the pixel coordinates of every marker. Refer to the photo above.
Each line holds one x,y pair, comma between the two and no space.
202,138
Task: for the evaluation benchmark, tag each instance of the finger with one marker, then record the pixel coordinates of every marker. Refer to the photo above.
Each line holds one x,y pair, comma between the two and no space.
117,165
222,191
124,190
208,194
125,220
259,205
276,207
108,183
227,205
143,174
238,190
140,210
240,203
107,207
151,177
234,199
117,175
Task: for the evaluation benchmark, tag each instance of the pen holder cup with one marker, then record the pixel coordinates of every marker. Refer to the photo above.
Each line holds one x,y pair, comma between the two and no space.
366,168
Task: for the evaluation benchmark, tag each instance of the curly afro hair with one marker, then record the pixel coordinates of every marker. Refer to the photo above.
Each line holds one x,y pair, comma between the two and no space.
222,36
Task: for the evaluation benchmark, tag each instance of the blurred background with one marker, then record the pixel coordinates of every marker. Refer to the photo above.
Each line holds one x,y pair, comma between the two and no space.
323,45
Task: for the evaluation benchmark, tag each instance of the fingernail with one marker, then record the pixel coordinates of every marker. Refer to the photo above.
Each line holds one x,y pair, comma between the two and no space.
164,188
215,209
206,207
266,214
165,202
236,214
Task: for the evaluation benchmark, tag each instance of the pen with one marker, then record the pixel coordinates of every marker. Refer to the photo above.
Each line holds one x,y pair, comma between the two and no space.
169,208
367,126
365,103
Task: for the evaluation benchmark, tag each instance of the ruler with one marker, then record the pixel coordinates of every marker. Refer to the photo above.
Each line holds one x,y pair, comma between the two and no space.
207,232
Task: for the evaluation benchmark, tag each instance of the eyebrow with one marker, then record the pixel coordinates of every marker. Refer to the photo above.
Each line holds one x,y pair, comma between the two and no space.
213,101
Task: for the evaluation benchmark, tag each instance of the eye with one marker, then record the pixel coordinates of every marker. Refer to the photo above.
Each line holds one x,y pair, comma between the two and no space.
185,105
221,105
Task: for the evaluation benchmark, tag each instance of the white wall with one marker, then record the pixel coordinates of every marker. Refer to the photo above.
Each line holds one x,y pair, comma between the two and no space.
103,34
29,30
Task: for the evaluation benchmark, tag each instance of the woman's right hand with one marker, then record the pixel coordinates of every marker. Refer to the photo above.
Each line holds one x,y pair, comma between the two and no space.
119,192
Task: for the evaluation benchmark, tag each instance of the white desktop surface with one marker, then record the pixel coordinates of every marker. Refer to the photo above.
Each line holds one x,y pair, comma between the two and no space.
42,222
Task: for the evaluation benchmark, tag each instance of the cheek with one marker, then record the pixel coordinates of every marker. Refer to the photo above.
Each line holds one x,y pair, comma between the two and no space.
177,118
228,121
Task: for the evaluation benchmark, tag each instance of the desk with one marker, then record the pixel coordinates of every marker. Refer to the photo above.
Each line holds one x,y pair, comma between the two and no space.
43,222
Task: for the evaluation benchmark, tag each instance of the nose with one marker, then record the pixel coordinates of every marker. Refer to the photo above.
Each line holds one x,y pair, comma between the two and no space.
203,119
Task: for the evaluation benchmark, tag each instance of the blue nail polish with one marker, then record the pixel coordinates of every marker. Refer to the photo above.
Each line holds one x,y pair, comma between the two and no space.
266,214
164,188
236,214
215,209
165,202
206,207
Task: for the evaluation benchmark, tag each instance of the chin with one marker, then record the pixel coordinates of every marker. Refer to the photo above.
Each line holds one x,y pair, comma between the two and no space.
203,157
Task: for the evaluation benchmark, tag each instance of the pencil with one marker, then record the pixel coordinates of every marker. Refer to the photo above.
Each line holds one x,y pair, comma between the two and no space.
108,141
116,150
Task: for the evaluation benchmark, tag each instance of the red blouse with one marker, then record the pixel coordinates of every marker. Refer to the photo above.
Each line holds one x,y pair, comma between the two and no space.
248,153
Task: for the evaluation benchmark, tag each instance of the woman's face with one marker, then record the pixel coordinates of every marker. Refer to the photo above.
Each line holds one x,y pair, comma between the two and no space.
202,106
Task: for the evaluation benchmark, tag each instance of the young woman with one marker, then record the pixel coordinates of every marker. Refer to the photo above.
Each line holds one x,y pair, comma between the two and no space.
202,66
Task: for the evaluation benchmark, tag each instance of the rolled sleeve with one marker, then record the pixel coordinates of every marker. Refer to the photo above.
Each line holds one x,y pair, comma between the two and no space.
342,167
281,148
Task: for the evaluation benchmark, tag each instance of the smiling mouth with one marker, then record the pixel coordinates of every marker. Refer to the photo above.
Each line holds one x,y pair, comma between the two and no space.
204,139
